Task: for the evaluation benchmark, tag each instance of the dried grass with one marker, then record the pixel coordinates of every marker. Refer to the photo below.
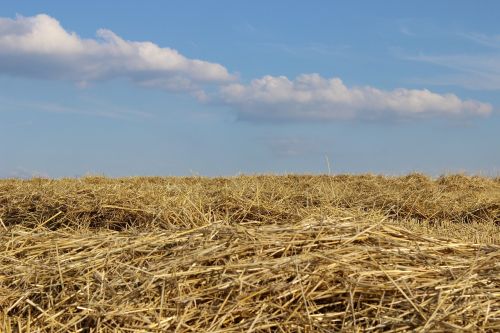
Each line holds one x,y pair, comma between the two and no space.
250,253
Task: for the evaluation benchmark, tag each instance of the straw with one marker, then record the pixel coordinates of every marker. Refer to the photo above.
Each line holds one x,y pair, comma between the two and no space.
249,254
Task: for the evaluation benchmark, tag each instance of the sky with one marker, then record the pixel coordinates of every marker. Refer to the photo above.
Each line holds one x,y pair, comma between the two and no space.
219,88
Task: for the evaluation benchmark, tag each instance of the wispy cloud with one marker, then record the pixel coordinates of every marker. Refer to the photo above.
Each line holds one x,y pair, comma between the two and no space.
285,147
95,109
476,71
246,28
489,41
406,31
306,50
40,47
312,97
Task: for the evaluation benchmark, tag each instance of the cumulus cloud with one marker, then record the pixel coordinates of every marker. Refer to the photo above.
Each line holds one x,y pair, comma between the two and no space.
312,97
39,47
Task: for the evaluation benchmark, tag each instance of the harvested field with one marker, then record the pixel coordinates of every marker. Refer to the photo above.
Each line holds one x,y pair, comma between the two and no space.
250,254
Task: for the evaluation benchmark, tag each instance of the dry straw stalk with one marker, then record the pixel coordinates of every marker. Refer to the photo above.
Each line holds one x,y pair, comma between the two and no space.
250,254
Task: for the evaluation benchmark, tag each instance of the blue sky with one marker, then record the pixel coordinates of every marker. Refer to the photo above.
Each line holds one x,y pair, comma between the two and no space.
227,87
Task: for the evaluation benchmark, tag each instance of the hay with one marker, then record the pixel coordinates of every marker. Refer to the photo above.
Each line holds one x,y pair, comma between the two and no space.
98,202
254,254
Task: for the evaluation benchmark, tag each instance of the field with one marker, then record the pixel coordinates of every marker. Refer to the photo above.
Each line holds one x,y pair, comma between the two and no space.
250,254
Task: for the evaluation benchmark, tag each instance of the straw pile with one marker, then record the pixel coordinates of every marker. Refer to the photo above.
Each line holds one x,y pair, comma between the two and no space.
251,253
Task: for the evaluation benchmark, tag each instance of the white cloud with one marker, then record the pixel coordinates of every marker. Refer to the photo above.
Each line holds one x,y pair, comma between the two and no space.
312,97
39,47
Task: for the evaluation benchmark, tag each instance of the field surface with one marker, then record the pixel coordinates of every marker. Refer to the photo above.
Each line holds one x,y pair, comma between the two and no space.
250,254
